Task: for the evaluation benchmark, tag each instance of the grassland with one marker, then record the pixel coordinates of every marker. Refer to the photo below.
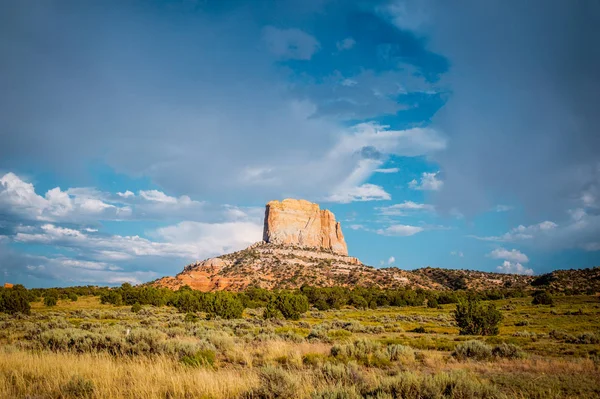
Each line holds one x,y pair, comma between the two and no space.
86,349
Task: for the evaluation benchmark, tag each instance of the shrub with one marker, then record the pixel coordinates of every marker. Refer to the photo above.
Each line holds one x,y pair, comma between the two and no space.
73,297
79,387
432,303
202,358
111,297
473,318
397,352
508,351
271,311
276,383
225,305
50,301
136,308
542,298
191,318
439,385
475,350
14,301
290,306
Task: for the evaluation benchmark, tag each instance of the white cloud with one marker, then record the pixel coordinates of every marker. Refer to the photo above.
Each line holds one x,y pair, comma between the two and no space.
460,254
511,255
82,204
126,194
429,182
345,44
356,227
19,198
522,232
209,239
159,196
514,268
364,192
403,208
291,43
387,170
410,142
391,260
503,208
400,230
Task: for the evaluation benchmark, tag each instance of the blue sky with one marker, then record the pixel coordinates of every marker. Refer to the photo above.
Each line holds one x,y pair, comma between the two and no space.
138,136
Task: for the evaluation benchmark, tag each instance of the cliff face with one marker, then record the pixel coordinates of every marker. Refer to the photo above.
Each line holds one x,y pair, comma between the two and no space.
302,223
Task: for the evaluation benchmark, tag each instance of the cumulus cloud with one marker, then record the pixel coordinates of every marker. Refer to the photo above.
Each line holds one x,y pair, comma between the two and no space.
400,230
79,205
391,260
522,232
429,182
514,268
19,198
513,255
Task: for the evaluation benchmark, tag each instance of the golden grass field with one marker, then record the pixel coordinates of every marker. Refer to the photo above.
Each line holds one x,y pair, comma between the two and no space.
83,349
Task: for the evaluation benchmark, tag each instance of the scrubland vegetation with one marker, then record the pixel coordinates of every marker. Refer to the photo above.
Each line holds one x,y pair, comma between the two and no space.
132,342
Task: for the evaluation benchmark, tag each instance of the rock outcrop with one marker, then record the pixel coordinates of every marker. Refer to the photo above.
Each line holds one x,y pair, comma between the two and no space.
302,223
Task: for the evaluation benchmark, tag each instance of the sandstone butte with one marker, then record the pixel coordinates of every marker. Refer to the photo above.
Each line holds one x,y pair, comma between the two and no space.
303,244
302,223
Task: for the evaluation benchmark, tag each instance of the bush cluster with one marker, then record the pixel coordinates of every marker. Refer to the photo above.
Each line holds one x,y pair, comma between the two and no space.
542,298
474,318
14,300
477,350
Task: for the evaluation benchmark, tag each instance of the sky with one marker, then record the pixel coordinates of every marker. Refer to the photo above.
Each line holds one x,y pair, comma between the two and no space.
139,136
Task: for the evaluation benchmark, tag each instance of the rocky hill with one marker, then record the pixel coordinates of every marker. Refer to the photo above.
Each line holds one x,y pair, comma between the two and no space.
303,244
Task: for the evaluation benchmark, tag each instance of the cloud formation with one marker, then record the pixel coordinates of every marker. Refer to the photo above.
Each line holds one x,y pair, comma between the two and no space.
514,268
429,182
513,255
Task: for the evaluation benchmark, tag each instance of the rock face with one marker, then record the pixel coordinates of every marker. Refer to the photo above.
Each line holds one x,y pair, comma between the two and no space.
302,223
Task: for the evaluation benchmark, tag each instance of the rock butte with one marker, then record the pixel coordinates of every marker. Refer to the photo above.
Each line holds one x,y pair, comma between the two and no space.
302,223
304,244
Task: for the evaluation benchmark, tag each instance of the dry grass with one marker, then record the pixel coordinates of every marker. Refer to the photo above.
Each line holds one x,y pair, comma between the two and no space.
24,374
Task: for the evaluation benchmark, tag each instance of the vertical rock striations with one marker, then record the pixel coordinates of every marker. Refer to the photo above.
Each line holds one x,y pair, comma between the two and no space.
302,223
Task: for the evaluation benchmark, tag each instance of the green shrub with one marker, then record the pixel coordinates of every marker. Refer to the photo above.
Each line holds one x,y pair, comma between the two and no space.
290,306
50,301
225,305
475,350
473,318
508,351
79,387
111,297
542,298
191,318
202,358
72,296
14,301
272,311
136,308
432,303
